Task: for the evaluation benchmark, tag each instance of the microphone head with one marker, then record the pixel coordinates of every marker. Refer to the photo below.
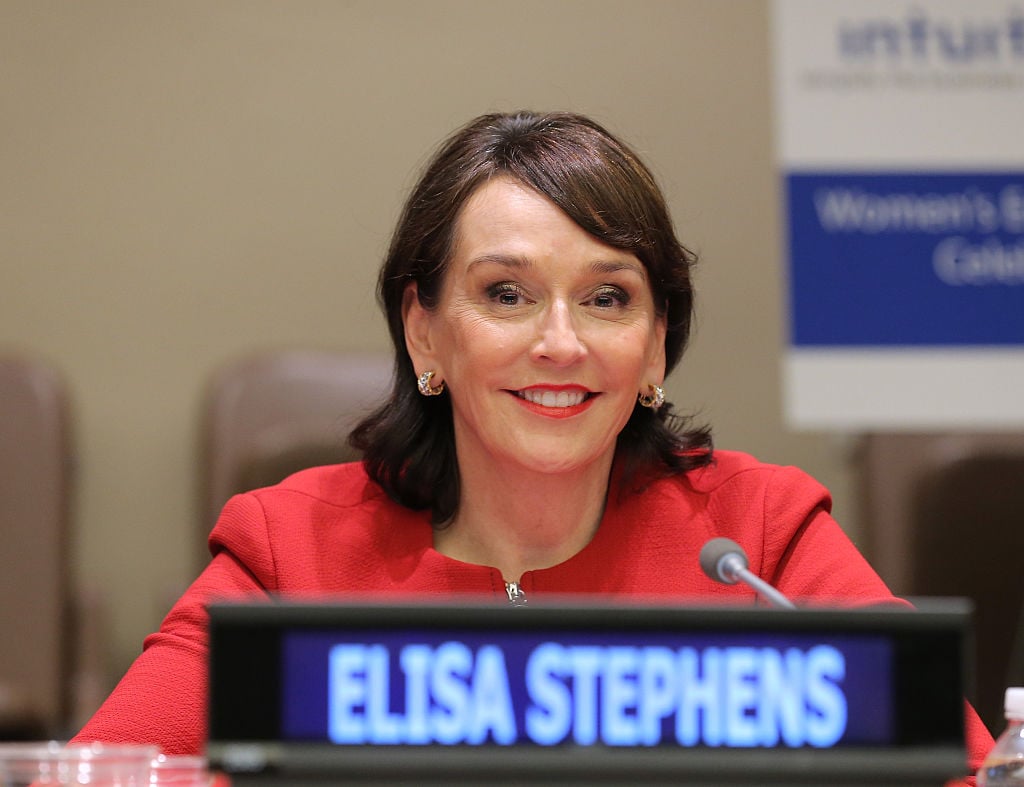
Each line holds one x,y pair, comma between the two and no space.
718,555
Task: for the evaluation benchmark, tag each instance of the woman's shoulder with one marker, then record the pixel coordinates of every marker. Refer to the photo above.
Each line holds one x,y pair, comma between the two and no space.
739,468
316,498
725,465
320,529
340,485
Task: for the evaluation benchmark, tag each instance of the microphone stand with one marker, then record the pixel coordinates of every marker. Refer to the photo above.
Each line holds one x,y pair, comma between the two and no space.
734,567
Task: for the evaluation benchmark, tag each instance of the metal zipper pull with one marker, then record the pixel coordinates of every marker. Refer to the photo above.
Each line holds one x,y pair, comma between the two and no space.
516,596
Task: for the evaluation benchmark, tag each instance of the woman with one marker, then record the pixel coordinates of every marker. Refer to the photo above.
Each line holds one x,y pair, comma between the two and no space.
536,296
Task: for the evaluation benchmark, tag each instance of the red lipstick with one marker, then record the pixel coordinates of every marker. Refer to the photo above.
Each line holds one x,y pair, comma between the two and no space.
551,409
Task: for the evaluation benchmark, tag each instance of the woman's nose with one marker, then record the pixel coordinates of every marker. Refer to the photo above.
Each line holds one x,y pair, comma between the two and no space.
558,339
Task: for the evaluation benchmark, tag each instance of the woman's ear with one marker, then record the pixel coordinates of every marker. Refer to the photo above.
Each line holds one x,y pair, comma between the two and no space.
417,321
656,357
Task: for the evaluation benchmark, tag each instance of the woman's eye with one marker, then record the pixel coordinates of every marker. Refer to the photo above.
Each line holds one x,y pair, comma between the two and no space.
506,293
610,297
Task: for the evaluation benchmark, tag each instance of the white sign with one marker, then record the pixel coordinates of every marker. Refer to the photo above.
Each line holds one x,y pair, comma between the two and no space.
900,137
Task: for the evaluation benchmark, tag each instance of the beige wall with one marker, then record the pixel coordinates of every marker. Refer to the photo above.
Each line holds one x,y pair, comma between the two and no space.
183,182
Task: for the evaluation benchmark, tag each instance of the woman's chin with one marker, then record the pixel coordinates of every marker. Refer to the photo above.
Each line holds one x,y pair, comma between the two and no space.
555,461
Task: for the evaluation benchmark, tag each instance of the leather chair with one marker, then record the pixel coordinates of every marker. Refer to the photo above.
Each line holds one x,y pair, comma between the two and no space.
271,414
944,516
36,469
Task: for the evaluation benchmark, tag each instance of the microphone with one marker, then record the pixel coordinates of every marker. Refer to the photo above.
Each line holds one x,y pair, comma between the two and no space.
725,561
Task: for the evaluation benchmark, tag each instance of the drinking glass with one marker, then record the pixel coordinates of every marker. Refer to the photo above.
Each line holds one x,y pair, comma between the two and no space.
180,771
51,763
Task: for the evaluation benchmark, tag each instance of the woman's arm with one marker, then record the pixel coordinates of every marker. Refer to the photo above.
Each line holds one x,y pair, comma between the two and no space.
162,697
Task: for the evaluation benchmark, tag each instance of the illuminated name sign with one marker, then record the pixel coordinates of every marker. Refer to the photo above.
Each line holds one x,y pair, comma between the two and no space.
585,693
525,688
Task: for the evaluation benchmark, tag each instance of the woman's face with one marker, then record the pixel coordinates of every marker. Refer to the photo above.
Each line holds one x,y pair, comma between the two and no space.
543,334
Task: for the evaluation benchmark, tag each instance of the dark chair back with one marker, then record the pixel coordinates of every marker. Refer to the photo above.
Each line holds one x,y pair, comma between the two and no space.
945,517
35,491
272,414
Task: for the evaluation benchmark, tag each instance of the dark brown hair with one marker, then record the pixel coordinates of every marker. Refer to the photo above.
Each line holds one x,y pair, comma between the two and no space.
408,444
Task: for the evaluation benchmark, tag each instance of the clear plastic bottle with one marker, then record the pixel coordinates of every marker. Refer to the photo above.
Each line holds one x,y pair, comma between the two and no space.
1004,766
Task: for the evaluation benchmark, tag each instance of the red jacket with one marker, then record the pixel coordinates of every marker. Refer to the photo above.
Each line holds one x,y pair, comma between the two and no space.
332,531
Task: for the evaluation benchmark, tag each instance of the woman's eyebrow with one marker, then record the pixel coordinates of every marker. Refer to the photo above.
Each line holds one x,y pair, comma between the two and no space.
597,266
505,260
616,265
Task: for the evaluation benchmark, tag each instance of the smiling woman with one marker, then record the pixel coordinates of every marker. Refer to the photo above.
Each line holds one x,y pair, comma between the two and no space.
536,296
542,223
546,338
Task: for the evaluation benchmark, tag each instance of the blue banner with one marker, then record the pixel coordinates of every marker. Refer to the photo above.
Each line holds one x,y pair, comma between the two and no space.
906,259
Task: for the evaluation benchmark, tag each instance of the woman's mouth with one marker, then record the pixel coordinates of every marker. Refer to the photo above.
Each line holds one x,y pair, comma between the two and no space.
546,397
556,401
